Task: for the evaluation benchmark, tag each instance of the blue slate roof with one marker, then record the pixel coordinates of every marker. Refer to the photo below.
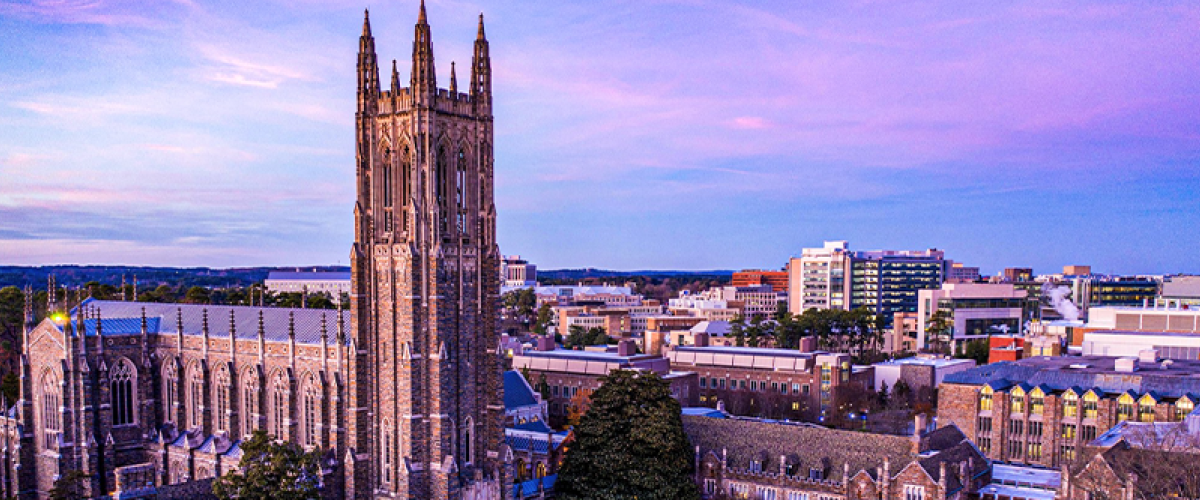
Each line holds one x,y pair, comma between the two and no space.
517,391
701,411
1061,373
534,426
530,488
521,443
125,318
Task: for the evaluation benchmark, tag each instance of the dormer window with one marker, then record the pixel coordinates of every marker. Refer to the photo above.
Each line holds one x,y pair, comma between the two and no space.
756,466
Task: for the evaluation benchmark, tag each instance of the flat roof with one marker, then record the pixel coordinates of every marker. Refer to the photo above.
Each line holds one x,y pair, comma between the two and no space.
1060,373
936,362
751,351
1019,474
1142,334
586,355
309,276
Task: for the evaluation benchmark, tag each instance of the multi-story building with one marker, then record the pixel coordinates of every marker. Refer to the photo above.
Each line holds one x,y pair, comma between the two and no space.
667,330
774,383
755,277
974,311
333,283
1015,274
918,372
402,391
1043,410
883,281
617,321
516,272
956,272
568,373
1077,270
770,460
819,278
1182,291
700,306
612,296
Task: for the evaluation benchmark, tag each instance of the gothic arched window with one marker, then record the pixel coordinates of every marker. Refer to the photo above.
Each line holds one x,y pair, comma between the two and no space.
442,185
122,385
221,382
387,450
280,405
468,442
312,410
405,189
51,411
460,192
170,391
195,396
250,402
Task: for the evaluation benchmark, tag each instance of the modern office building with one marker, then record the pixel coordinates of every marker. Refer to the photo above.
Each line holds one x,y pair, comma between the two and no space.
754,277
883,281
1182,291
956,272
333,283
975,310
1014,274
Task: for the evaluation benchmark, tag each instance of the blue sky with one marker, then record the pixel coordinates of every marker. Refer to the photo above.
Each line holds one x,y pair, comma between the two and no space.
684,134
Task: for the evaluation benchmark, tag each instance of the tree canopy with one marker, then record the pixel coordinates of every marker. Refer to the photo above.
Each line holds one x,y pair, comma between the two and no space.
272,470
630,444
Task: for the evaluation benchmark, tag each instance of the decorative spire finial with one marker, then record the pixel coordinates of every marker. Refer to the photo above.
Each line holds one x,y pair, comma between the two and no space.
480,35
421,16
366,23
453,81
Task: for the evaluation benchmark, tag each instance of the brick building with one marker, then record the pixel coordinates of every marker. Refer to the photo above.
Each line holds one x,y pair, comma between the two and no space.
1042,411
402,391
754,277
775,383
761,460
568,373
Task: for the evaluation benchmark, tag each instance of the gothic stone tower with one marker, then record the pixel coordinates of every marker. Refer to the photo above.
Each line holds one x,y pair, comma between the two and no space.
426,417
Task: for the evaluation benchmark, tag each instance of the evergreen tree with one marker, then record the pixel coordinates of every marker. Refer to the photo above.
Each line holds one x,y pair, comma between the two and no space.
630,444
737,329
272,470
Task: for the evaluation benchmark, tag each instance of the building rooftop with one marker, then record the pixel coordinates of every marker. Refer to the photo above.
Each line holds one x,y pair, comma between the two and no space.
517,391
309,276
1060,373
278,323
926,361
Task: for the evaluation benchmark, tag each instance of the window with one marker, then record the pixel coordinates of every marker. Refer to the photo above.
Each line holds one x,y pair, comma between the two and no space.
221,381
121,388
1016,427
753,385
766,493
51,409
469,442
985,444
1091,404
703,383
756,466
796,495
722,383
1070,405
912,492
1035,451
795,406
1125,408
554,390
1035,429
1066,453
250,402
312,410
804,389
1068,431
743,385
740,490
1017,403
710,485
1146,409
1089,433
795,388
170,392
985,399
985,424
195,392
1014,449
1183,407
279,406
1037,402
387,451
541,471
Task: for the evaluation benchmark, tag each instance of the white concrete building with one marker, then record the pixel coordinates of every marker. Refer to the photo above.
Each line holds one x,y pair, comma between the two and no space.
333,283
818,279
918,371
976,310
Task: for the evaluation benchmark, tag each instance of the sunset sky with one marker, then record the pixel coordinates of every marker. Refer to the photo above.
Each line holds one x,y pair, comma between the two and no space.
629,135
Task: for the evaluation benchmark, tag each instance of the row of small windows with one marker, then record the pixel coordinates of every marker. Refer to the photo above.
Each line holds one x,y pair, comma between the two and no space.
1128,408
754,385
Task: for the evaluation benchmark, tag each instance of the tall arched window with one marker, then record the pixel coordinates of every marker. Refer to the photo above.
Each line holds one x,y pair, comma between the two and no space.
51,411
170,392
312,410
387,449
405,188
468,442
195,394
280,405
443,181
460,192
121,389
221,382
250,402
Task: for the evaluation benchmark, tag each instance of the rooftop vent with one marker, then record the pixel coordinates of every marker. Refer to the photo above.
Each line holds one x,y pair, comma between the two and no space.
1148,355
1126,365
1079,366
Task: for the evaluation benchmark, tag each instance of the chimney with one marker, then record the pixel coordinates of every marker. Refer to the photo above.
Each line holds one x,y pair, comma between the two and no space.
920,424
700,339
1148,355
808,344
625,348
545,343
721,406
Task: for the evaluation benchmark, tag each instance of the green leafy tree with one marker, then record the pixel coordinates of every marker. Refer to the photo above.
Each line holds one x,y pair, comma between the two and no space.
938,329
612,459
977,349
272,470
545,316
197,295
737,329
70,486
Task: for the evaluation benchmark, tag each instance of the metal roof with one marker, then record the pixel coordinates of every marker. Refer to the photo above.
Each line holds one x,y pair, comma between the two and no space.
125,318
309,276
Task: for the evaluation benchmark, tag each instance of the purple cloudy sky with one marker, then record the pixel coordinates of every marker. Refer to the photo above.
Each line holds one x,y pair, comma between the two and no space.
643,134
